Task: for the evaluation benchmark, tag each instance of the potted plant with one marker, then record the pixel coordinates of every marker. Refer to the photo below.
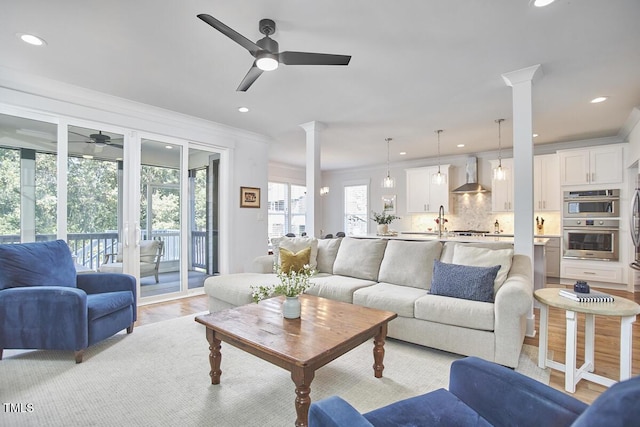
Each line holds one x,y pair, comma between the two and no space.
292,284
383,220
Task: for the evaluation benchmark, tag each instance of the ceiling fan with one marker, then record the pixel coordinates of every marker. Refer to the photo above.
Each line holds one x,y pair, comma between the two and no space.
99,139
266,53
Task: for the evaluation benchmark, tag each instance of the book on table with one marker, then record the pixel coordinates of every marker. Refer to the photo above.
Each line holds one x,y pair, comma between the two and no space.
591,296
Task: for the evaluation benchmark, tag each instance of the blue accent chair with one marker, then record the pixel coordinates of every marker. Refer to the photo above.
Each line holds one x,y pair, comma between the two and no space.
45,305
483,393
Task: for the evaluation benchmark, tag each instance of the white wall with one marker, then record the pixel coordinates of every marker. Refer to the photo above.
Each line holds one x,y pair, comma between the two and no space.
243,232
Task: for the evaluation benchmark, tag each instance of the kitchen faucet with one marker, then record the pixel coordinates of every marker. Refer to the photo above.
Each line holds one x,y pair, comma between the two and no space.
440,220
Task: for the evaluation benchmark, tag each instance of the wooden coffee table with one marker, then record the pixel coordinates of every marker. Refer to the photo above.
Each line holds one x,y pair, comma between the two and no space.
326,330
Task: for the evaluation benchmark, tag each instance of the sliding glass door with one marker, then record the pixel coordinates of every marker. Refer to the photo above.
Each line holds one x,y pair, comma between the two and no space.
125,201
28,179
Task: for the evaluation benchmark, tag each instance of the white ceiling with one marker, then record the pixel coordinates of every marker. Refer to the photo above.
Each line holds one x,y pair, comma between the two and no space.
416,66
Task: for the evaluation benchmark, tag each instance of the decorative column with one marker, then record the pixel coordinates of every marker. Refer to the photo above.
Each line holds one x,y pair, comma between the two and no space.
521,81
314,213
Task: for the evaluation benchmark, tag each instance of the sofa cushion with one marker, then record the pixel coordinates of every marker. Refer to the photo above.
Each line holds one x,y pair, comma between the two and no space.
463,281
296,244
290,261
386,296
235,289
327,252
99,305
437,408
338,288
408,263
37,264
359,258
456,311
485,257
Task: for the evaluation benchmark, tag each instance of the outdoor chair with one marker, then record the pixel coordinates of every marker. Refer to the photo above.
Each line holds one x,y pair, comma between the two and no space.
151,252
45,305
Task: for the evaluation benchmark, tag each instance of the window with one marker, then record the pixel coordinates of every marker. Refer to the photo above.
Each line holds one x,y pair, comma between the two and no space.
356,207
287,209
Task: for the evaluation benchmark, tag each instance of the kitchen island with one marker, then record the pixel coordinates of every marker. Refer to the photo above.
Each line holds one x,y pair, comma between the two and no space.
539,257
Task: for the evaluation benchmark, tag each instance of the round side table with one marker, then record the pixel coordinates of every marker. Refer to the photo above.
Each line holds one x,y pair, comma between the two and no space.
620,307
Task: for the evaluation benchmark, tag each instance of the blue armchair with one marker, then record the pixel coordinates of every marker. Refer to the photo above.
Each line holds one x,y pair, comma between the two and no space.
482,393
45,305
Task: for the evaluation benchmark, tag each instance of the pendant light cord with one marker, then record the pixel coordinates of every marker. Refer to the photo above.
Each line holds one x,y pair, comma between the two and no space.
439,131
388,141
499,121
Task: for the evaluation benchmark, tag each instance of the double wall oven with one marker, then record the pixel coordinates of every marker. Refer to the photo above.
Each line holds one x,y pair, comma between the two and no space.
591,223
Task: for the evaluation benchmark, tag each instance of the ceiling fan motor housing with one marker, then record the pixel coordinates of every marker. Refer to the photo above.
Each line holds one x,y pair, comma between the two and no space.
267,27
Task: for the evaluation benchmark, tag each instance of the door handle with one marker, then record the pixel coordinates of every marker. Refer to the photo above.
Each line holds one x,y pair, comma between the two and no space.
126,235
138,235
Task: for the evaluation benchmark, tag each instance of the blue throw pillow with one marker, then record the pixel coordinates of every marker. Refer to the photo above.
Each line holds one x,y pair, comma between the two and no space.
463,281
36,264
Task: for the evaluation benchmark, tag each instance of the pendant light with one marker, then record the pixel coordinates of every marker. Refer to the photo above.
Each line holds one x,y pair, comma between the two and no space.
499,174
388,182
439,178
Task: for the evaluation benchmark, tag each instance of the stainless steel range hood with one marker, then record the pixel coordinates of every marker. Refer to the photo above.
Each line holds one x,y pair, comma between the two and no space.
472,185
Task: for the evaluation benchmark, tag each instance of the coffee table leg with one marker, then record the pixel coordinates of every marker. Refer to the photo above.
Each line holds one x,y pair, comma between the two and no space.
378,351
215,357
302,378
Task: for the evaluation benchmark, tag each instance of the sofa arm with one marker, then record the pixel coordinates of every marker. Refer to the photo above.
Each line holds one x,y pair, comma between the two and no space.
505,397
262,264
47,317
335,412
513,301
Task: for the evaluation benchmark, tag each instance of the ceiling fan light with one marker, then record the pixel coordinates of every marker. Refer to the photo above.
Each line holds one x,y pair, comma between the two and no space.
542,3
267,62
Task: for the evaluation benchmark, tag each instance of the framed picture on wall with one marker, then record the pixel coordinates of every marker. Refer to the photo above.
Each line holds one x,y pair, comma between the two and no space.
389,204
249,197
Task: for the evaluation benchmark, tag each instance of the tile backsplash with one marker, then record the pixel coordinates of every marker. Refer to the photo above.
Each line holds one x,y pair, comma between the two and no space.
473,212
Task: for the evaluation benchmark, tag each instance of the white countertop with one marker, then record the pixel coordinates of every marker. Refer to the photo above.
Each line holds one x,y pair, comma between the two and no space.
541,241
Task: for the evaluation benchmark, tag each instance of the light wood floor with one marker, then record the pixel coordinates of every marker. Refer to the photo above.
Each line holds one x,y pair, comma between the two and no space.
607,338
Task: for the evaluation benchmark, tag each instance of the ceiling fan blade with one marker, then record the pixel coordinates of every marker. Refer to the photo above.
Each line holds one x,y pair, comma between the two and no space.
252,75
231,33
308,58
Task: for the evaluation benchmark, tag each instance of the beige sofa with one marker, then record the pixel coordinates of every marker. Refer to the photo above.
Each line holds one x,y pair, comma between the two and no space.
396,275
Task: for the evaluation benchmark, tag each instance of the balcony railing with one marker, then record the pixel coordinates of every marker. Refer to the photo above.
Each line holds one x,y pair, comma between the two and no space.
89,249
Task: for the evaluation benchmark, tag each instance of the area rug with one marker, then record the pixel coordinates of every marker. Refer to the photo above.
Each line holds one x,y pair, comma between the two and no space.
159,376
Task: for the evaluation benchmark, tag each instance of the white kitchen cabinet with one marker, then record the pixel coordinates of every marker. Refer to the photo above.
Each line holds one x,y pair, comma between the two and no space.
597,165
552,252
546,183
422,194
502,191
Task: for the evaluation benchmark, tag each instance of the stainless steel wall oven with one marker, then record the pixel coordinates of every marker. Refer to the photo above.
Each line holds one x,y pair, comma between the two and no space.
595,239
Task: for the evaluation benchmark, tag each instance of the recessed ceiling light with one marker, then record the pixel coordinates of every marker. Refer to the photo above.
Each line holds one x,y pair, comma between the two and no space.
87,156
31,39
542,3
243,109
403,153
168,147
598,99
460,145
535,135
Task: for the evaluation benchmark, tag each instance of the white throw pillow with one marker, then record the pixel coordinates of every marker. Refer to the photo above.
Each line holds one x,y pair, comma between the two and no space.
327,252
296,244
484,257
